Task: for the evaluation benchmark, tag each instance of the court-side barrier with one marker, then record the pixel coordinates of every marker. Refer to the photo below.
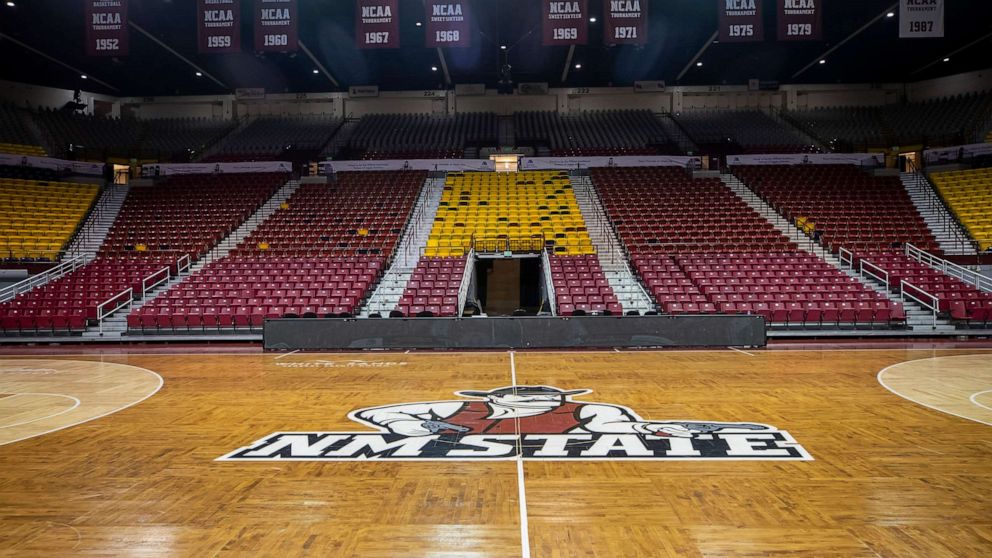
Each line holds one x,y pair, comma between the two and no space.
515,333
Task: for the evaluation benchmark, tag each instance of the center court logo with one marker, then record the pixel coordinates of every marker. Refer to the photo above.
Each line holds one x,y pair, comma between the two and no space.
530,422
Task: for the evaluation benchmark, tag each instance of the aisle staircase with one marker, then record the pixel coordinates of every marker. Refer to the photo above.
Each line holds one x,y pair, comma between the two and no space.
951,237
116,324
93,232
628,290
918,318
389,290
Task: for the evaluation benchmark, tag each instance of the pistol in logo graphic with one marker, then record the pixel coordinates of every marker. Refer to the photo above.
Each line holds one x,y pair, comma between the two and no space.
685,429
436,426
709,427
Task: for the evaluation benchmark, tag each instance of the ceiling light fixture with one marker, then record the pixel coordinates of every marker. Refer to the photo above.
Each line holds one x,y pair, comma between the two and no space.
433,68
823,61
578,66
11,5
592,19
199,74
947,60
316,71
699,64
419,24
502,47
890,14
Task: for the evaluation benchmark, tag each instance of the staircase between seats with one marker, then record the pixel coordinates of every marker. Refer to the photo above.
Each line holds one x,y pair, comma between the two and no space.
115,325
918,318
628,290
389,290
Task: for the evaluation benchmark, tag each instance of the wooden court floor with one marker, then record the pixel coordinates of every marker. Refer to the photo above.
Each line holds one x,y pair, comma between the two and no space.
888,476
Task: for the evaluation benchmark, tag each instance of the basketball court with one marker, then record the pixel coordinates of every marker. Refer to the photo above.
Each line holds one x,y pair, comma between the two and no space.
111,454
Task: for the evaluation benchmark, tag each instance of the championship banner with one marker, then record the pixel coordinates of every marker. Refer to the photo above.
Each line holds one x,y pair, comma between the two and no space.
447,165
276,24
626,22
921,19
572,163
169,169
377,24
218,26
800,20
565,23
859,159
952,154
106,27
59,165
740,21
448,24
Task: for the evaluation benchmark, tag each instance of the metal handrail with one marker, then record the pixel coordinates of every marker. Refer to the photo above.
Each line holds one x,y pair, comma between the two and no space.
549,284
936,202
981,282
10,292
91,223
183,264
846,257
150,282
121,303
493,245
466,281
926,299
882,275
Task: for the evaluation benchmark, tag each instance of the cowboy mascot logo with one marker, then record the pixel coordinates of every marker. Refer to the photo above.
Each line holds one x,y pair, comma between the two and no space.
526,422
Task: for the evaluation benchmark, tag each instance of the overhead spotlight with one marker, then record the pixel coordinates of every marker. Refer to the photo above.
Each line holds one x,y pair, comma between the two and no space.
699,64
419,24
890,14
502,47
947,60
823,61
433,68
11,5
199,74
592,19
578,66
82,76
316,71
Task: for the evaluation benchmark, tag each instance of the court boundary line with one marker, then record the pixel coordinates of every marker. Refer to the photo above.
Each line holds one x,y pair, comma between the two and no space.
976,394
521,489
881,373
536,351
735,349
286,354
161,382
22,423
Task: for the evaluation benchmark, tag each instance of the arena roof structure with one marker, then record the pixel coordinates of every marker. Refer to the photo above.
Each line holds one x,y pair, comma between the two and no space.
41,41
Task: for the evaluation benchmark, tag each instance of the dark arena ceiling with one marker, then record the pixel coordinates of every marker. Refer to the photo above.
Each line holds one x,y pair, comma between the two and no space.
678,30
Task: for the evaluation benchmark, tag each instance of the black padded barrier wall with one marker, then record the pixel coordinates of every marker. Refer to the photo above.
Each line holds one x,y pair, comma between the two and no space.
514,333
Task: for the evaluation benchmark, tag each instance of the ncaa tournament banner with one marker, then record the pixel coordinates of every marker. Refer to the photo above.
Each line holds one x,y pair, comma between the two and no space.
800,20
626,22
218,25
921,19
860,159
564,22
448,165
448,24
276,24
740,21
377,24
106,27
